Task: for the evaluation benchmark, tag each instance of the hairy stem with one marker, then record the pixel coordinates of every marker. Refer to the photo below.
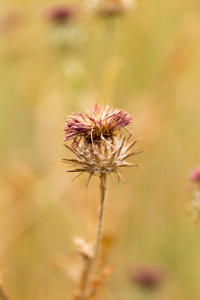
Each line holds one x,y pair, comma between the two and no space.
91,262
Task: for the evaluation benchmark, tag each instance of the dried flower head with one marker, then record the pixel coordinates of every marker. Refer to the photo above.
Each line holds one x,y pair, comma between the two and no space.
96,145
102,158
61,14
107,8
98,124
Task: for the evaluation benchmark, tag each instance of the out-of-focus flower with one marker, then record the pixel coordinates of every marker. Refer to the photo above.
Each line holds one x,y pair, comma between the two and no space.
65,31
107,8
99,123
195,175
147,277
61,14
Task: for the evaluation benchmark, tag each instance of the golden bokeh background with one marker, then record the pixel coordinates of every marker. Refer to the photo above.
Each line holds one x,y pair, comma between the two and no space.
146,62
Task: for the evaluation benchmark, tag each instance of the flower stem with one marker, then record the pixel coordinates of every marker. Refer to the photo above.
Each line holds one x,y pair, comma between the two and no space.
101,215
91,262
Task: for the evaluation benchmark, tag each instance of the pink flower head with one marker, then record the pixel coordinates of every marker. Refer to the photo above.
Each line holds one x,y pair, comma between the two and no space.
147,277
195,175
100,123
61,14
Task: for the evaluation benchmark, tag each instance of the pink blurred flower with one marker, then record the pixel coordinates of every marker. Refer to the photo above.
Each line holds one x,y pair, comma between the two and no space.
61,14
195,175
147,277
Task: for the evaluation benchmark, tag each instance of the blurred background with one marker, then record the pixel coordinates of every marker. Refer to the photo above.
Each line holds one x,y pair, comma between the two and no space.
145,60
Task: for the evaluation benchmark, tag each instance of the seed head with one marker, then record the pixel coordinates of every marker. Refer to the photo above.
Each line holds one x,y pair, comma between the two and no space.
98,124
97,146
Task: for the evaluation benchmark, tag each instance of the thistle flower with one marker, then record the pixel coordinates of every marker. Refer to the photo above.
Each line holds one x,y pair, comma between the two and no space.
61,14
97,147
98,124
64,33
